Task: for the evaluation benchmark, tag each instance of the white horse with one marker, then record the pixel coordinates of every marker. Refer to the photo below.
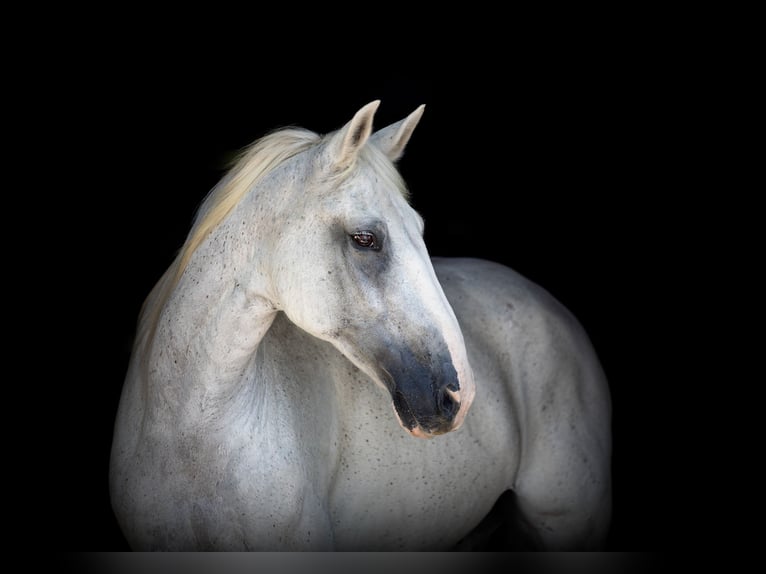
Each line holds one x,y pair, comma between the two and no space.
256,409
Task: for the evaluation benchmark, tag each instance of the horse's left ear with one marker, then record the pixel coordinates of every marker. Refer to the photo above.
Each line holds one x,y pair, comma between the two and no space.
347,142
393,139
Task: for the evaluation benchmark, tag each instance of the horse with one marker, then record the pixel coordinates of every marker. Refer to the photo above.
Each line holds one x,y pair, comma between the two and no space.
304,376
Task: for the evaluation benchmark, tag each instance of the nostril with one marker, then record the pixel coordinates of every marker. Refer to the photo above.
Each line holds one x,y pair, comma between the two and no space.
448,406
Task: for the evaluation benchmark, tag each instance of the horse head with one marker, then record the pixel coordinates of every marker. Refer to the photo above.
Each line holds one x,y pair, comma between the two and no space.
351,268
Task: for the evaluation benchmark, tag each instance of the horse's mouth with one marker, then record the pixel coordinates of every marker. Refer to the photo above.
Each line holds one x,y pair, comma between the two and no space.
429,428
418,432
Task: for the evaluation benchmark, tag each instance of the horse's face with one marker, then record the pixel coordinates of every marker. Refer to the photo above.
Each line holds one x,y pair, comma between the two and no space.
354,271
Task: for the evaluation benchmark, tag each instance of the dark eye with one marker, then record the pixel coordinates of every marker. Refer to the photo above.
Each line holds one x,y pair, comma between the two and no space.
366,239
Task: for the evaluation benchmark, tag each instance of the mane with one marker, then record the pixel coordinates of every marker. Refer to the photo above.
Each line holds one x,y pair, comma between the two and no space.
251,166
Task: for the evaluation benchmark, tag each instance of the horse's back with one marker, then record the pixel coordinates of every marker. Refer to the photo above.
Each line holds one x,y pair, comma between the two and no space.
521,338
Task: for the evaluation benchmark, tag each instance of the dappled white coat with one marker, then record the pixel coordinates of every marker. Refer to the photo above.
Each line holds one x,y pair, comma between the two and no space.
257,408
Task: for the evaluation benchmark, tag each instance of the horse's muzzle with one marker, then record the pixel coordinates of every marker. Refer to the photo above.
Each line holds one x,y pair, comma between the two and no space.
425,387
427,400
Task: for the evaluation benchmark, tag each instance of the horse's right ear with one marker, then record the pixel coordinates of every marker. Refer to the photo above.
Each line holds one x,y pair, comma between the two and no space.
348,140
393,139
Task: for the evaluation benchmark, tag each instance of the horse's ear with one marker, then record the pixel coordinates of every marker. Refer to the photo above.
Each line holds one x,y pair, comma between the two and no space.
347,142
393,139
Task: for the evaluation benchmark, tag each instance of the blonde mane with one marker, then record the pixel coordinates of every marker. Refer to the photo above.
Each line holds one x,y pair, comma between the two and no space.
250,167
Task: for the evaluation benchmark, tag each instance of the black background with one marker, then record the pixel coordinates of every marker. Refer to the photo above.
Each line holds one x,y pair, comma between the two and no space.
554,165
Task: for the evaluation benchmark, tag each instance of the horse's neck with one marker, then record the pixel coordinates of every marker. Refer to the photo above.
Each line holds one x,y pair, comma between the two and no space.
210,329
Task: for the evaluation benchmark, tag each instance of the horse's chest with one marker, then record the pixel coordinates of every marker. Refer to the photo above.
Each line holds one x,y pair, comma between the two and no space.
394,492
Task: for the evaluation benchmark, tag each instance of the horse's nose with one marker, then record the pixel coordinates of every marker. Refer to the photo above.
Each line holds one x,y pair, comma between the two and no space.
426,393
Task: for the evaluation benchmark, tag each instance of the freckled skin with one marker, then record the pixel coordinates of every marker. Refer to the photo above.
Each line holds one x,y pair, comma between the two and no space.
280,401
349,473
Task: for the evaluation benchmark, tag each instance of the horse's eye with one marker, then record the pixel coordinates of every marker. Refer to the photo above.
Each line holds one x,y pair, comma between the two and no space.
366,239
